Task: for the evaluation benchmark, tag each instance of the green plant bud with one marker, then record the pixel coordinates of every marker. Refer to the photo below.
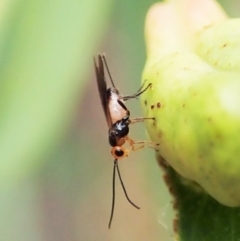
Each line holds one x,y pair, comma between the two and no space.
220,45
195,99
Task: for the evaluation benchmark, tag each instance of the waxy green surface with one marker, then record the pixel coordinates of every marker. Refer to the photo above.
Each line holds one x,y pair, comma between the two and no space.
195,99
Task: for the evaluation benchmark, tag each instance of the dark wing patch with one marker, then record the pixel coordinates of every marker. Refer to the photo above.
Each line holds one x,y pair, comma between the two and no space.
102,88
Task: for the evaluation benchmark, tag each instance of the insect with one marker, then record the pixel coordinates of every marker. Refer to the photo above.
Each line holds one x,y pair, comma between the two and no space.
118,120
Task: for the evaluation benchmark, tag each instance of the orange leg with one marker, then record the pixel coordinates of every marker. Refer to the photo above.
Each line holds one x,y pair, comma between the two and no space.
142,144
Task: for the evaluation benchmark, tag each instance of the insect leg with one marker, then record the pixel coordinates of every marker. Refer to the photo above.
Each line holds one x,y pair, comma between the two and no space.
139,92
123,106
142,144
141,87
140,119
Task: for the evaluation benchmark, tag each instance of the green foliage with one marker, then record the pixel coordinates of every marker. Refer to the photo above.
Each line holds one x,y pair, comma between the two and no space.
45,50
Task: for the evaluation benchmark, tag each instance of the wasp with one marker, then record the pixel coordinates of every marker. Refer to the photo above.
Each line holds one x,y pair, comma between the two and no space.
118,120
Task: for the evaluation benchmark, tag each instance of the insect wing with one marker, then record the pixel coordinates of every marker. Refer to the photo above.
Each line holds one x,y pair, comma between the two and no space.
102,88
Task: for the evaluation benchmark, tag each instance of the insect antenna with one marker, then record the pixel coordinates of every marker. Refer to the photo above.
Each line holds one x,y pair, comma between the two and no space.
105,63
113,194
113,191
124,189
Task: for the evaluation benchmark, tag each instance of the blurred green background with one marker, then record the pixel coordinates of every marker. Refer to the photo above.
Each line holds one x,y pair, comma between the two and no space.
55,161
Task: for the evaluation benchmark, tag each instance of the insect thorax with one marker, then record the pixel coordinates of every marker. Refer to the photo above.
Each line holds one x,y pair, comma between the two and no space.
119,130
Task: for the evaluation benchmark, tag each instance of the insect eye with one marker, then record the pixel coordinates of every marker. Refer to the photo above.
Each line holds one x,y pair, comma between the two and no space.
119,152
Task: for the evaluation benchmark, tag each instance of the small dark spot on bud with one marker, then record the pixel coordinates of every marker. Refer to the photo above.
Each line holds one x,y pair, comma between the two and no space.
209,119
152,106
159,105
175,205
160,134
219,135
176,225
145,102
171,190
183,105
211,143
224,45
